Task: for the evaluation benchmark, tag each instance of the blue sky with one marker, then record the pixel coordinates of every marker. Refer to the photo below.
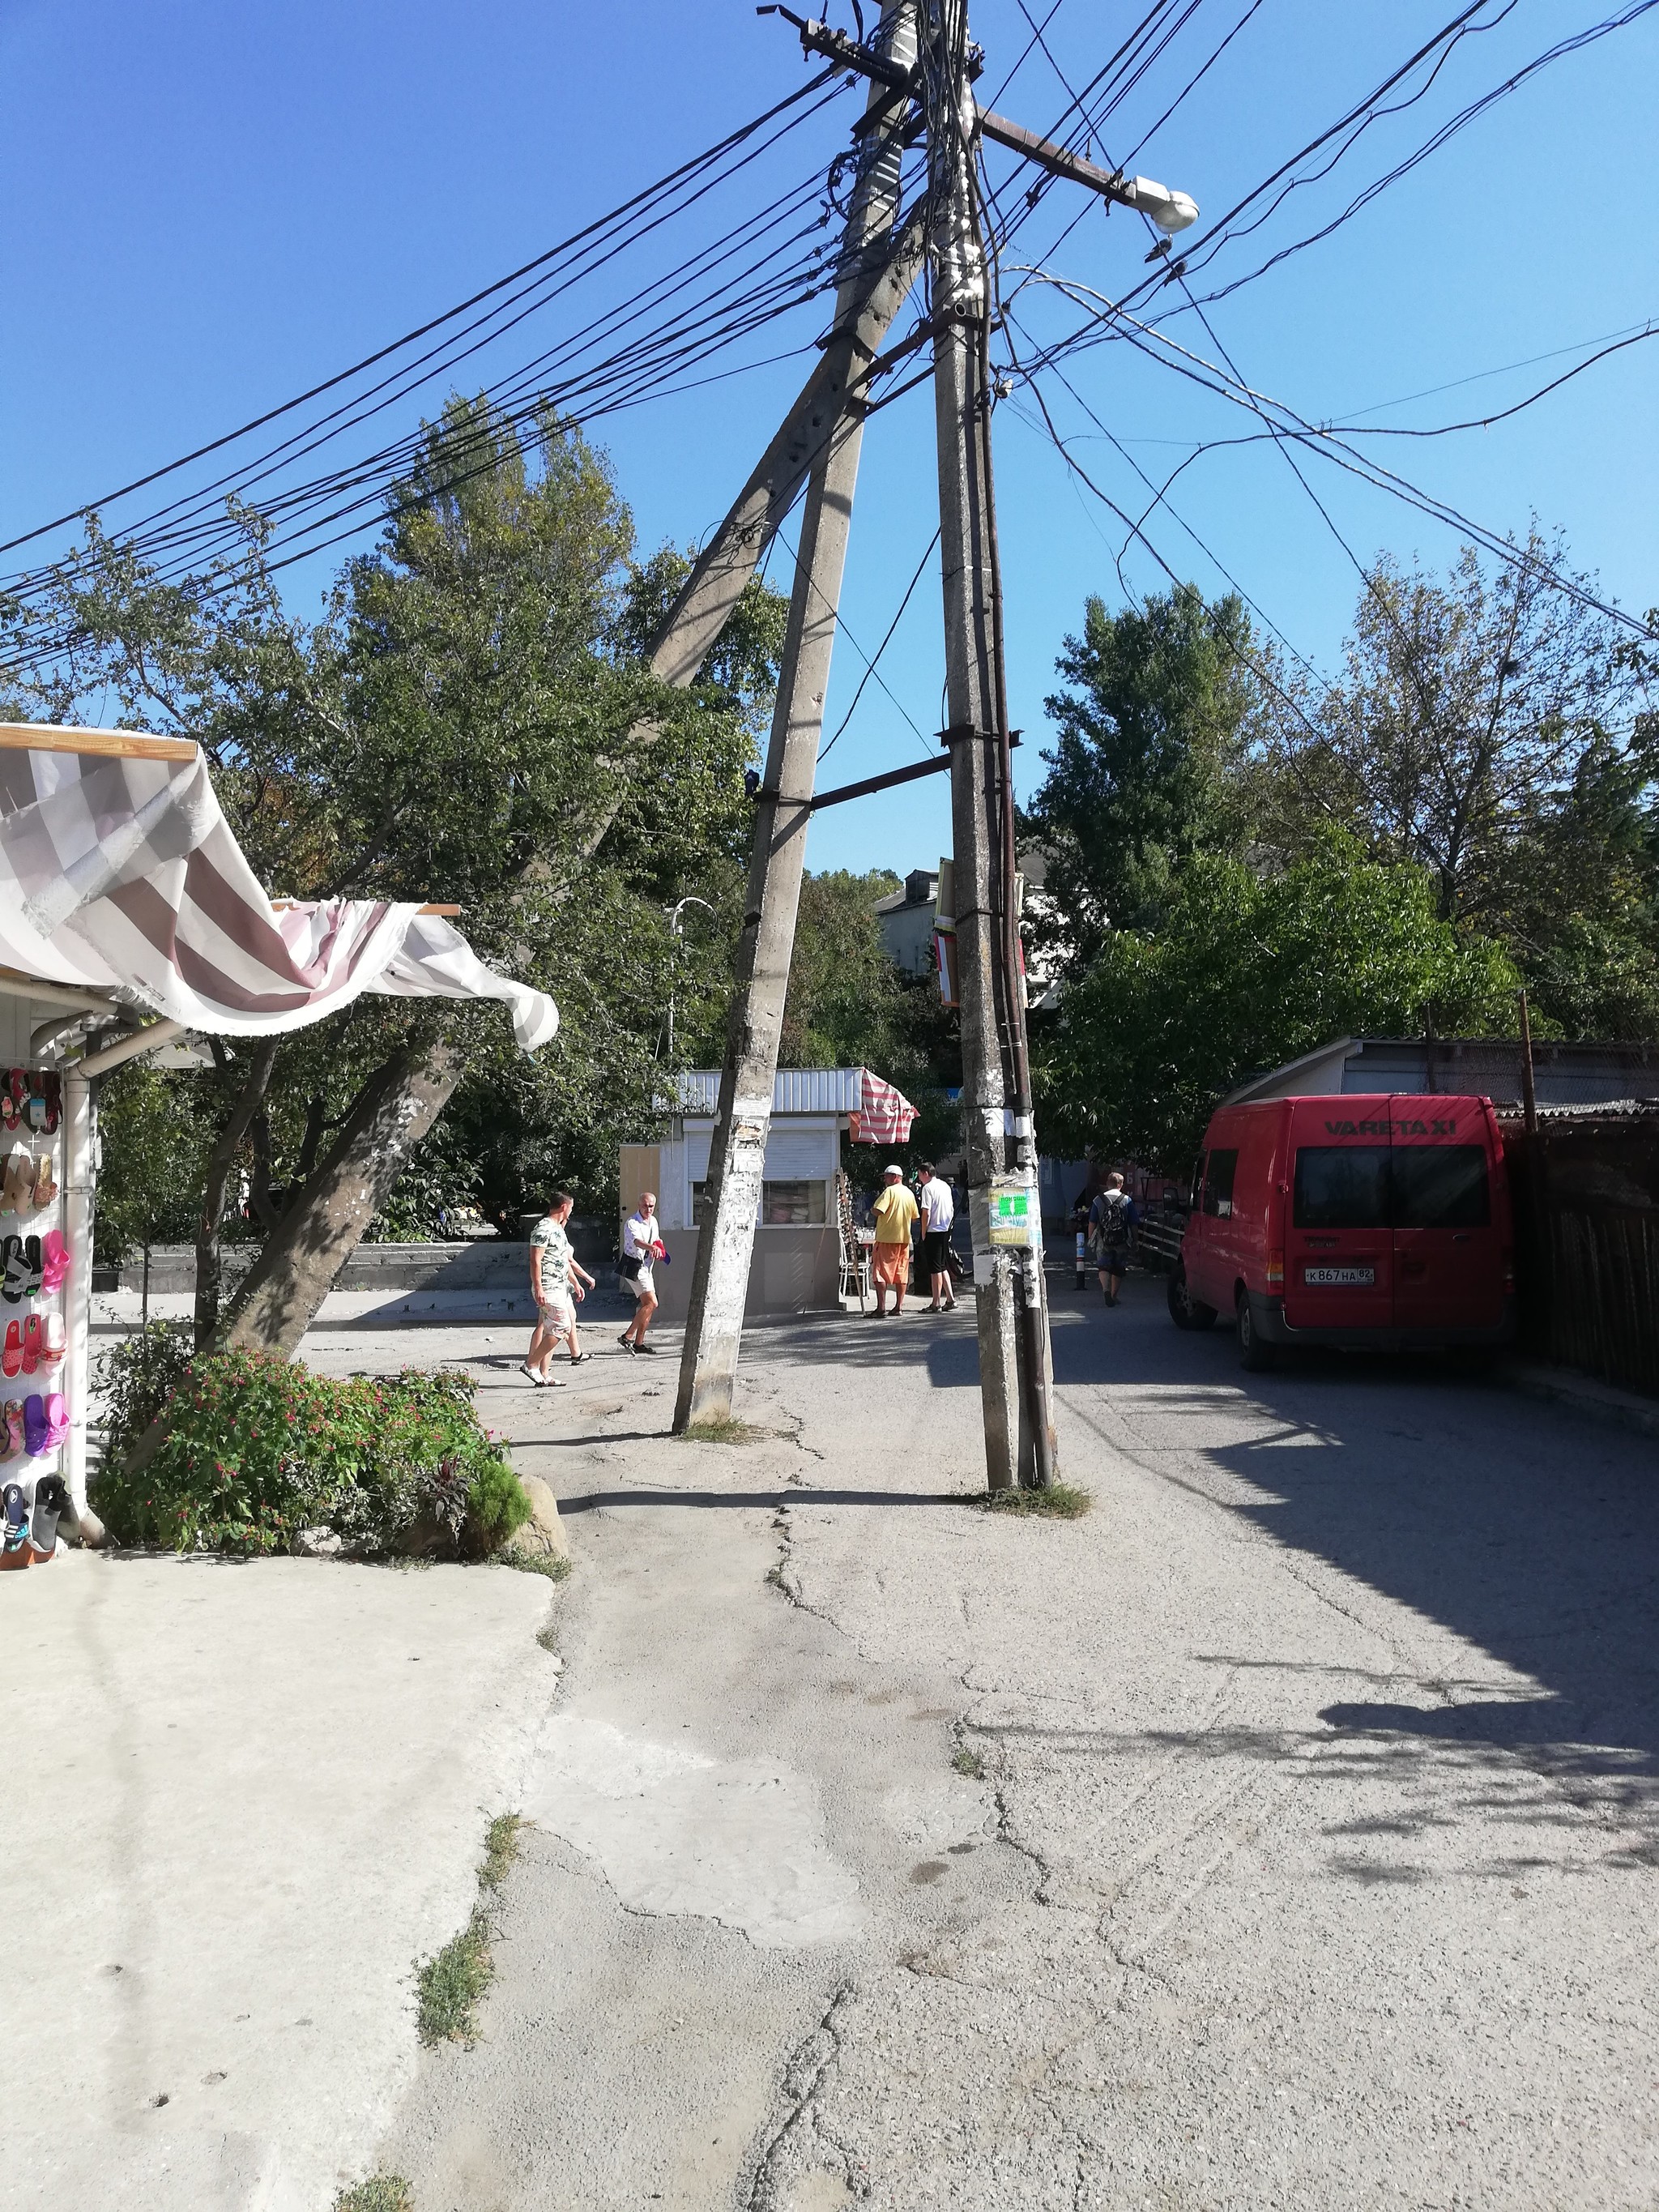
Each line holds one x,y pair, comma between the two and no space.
211,207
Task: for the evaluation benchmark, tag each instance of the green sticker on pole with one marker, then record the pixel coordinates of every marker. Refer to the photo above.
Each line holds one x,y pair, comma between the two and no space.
1014,1219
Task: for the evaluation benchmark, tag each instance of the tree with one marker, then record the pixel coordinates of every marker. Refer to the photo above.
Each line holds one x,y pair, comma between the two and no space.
1245,971
472,720
1161,710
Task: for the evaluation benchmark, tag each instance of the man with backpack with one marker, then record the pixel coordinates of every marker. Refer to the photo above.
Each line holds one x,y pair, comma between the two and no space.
1112,1218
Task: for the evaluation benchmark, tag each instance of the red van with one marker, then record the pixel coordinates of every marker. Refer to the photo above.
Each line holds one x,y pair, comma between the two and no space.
1378,1219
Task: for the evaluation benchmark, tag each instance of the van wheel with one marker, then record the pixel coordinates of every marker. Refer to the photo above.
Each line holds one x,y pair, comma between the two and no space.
1185,1310
1254,1355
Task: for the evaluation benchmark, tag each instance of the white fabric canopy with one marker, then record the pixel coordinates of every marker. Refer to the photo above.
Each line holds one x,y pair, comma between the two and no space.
121,873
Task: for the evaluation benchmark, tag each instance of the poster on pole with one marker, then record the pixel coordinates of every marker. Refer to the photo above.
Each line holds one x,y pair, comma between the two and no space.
1016,1214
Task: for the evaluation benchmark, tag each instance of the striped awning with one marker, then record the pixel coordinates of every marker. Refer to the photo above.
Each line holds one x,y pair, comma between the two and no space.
119,872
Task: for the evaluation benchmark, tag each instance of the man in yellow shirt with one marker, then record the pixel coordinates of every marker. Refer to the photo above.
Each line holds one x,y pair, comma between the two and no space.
894,1216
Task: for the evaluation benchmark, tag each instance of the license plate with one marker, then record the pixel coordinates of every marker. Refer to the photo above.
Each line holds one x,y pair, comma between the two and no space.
1340,1277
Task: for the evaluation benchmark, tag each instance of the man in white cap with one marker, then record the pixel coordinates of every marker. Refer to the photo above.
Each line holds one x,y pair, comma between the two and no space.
894,1216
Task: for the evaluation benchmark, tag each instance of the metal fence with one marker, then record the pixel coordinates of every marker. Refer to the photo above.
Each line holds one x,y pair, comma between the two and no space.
1585,1188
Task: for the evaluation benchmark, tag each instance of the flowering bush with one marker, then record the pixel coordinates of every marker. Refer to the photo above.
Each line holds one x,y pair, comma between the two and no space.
258,1448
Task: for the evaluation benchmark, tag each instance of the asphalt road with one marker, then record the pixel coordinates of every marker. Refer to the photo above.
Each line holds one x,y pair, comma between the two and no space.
1311,1859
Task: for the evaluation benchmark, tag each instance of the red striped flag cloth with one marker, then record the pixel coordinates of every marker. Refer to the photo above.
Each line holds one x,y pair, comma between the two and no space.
884,1115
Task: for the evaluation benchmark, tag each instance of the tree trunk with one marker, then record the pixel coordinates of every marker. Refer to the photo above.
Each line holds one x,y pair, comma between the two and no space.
221,1160
320,1229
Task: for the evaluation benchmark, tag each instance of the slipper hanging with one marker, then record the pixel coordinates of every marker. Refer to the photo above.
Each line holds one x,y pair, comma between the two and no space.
51,1499
34,1424
34,1343
19,1180
57,1419
56,1342
15,1282
8,1102
11,1360
14,1419
45,1182
53,1086
15,1550
34,1277
54,1261
35,1106
17,1085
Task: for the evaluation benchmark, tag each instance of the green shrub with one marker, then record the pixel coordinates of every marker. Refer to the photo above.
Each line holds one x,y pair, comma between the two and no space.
136,1378
258,1448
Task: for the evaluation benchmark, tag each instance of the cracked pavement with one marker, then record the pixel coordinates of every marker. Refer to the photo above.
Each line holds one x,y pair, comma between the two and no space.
1314,1858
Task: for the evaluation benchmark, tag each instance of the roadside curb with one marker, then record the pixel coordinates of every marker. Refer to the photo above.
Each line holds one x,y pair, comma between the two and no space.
1583,1394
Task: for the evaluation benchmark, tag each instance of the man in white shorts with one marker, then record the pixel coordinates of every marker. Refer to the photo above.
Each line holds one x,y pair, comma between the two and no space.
556,1282
639,1239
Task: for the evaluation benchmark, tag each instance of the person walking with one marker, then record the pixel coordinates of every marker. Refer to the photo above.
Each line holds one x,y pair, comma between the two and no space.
1111,1219
556,1282
894,1216
641,1242
939,1211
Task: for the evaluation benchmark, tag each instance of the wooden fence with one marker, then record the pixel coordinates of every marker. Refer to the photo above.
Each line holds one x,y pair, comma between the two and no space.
1585,1189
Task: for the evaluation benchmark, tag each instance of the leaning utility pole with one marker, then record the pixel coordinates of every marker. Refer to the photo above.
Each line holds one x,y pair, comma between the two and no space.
999,1134
719,1281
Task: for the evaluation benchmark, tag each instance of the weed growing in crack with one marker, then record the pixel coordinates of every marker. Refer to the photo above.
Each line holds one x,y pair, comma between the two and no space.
548,1635
968,1763
451,1985
381,2192
553,1565
723,1431
1060,1501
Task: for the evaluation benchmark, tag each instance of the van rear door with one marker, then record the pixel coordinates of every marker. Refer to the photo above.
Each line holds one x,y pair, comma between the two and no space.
1449,1267
1339,1242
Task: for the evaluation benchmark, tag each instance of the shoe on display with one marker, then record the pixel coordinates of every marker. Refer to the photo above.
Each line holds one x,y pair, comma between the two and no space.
15,1548
34,1275
57,1419
34,1424
34,1343
51,1501
19,1180
54,1259
13,1420
9,1116
45,1182
53,1086
35,1106
56,1341
11,1360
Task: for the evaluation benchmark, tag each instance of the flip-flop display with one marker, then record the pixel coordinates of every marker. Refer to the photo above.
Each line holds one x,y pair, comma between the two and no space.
51,1502
34,1424
35,1265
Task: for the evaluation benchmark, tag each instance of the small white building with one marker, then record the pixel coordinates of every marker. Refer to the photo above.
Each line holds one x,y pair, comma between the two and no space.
797,1250
905,919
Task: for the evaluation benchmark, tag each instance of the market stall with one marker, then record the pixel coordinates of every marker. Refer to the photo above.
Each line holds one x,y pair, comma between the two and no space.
128,917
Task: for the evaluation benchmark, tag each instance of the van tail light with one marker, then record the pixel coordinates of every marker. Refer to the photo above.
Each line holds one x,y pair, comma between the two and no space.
1275,1271
1509,1270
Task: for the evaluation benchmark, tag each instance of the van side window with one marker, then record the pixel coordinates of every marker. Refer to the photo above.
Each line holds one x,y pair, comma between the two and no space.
1440,1186
1219,1175
1342,1187
1195,1197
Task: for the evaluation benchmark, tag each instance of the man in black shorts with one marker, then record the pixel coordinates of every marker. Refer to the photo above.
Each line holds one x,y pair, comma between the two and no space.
939,1211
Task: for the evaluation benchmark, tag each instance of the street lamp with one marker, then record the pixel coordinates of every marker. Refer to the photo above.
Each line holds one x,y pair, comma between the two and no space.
1170,211
674,931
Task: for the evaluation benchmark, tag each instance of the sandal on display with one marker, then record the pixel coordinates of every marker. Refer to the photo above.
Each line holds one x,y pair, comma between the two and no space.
8,1103
35,1280
57,1420
19,1179
54,1261
17,1087
51,1501
54,1086
45,1183
34,1424
13,1528
35,1106
16,1279
11,1360
34,1344
57,1340
13,1417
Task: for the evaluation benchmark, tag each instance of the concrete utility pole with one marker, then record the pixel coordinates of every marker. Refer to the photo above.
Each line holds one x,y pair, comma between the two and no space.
719,1281
1000,1136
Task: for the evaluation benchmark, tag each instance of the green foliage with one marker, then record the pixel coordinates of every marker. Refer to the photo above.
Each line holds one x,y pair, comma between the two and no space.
257,1447
1249,970
1060,1501
450,1985
135,1376
381,2192
1154,725
156,1137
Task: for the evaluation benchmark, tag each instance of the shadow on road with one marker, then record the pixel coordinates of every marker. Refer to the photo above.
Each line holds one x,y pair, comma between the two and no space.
1527,1530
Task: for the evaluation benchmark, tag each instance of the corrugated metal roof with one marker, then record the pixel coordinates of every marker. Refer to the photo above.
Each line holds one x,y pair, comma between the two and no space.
794,1090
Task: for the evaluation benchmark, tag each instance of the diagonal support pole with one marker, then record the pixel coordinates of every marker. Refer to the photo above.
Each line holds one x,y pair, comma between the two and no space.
719,1281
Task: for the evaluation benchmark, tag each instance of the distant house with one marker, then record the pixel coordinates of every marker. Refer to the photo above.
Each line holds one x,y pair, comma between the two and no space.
905,919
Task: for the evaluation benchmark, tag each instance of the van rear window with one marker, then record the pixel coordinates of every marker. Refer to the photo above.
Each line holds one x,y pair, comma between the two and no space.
1440,1186
1342,1187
